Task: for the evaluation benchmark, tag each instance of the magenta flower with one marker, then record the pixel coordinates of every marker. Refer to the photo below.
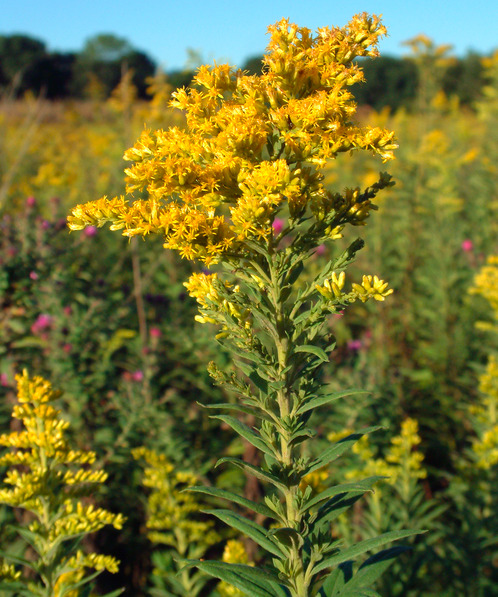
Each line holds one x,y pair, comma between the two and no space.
320,250
467,246
155,332
33,275
278,225
42,322
90,231
4,380
30,202
354,345
137,375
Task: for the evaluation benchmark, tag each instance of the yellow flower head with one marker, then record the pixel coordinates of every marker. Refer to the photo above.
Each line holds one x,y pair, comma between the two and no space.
253,146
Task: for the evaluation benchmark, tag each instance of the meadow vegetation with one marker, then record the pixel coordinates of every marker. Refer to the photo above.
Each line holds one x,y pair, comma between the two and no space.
109,321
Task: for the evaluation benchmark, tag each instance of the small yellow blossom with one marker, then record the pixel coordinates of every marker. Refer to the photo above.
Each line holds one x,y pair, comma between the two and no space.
372,287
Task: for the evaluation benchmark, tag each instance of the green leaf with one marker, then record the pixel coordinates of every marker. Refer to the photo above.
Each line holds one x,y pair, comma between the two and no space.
339,448
317,351
252,581
249,528
375,566
336,580
9,557
247,433
326,399
259,473
355,487
236,499
243,408
259,382
362,547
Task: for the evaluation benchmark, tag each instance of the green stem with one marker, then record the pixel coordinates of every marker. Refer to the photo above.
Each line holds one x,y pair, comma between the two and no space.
299,582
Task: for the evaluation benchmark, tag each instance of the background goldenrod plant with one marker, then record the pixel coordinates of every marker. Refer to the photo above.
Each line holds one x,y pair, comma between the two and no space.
254,149
50,481
174,522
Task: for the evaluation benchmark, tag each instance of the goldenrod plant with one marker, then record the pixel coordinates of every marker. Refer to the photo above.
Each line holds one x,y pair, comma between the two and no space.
398,500
253,151
473,486
174,521
52,483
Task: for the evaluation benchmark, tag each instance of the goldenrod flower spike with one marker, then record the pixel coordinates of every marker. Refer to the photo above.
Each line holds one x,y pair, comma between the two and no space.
47,478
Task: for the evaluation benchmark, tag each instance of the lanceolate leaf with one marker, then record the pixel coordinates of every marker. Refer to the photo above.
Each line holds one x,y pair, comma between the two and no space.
375,566
363,486
249,410
249,528
247,433
360,548
236,499
259,473
337,449
252,581
326,399
316,350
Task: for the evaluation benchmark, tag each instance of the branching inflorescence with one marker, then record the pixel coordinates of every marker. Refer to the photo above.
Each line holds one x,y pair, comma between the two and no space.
253,149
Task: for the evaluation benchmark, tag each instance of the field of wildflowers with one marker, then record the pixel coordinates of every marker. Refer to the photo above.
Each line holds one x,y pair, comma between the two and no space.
251,177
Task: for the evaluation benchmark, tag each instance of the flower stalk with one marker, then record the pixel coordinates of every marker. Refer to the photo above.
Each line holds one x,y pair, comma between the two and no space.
253,151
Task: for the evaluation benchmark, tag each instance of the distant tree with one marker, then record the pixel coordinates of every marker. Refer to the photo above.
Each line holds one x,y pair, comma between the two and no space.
390,82
180,78
105,47
465,78
253,65
18,53
143,68
51,76
106,57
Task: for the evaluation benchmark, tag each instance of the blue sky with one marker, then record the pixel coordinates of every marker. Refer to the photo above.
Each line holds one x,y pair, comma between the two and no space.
235,30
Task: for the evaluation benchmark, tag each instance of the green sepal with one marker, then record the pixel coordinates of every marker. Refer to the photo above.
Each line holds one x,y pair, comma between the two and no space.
362,547
259,473
339,448
353,487
252,581
248,527
247,433
326,399
234,498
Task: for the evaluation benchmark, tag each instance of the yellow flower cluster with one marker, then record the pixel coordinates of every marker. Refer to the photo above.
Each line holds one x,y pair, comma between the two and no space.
253,145
46,477
402,458
486,284
370,287
206,288
171,510
234,553
485,446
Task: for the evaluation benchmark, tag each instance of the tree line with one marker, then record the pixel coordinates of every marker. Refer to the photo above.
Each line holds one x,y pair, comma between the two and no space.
26,65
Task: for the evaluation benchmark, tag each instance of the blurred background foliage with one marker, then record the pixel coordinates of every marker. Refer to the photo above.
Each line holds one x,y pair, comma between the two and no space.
108,321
